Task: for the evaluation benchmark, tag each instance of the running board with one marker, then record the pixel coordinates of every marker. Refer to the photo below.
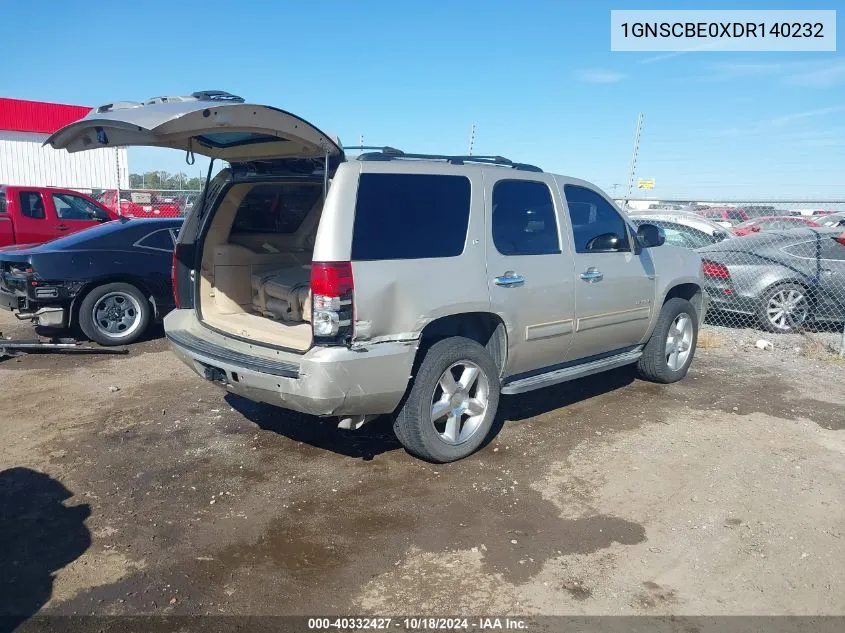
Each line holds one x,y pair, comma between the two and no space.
571,373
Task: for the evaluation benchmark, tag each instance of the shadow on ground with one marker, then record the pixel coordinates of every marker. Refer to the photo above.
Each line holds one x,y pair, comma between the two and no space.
39,536
377,437
370,440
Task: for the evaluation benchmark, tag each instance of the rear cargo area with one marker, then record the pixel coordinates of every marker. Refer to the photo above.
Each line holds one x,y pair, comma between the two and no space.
256,263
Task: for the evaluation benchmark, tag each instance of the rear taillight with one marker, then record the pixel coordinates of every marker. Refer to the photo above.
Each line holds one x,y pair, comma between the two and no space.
332,291
841,239
713,269
174,266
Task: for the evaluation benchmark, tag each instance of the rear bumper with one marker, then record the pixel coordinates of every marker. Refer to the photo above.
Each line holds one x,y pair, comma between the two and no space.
48,314
325,381
726,297
9,300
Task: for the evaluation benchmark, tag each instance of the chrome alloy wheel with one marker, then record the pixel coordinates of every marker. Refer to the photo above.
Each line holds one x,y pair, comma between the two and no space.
460,402
787,309
116,315
679,341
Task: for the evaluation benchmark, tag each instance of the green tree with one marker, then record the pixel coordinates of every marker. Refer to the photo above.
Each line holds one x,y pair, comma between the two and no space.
157,180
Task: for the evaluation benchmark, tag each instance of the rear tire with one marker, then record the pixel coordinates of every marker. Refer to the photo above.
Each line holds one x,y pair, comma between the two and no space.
783,308
668,354
452,402
114,314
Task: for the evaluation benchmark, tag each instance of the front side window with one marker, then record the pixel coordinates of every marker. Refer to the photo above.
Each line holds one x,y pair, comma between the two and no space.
524,220
2,202
32,206
70,207
410,216
735,216
276,208
596,225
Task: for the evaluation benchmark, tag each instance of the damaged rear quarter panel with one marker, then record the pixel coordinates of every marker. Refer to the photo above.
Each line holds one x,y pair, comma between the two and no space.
395,299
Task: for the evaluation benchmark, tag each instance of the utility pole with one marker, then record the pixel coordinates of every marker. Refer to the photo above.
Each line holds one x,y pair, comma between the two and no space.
615,186
361,144
471,138
633,168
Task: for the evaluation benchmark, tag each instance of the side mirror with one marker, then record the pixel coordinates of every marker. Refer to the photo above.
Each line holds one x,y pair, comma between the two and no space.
650,235
607,242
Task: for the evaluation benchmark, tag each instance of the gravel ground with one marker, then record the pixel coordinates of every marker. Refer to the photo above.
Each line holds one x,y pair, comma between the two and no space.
814,350
131,486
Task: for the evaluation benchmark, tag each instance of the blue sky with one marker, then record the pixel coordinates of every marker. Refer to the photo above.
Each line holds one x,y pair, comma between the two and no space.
537,78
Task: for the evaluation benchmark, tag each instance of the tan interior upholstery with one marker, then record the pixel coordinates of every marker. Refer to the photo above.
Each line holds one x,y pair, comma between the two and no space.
283,294
256,285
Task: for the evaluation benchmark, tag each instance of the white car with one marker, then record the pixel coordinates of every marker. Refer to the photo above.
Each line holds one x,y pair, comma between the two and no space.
831,219
682,228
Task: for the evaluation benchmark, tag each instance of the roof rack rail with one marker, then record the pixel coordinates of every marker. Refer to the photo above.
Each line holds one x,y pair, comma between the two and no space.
391,153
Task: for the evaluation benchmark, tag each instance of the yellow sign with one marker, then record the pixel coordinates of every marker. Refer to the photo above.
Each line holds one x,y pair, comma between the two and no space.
645,184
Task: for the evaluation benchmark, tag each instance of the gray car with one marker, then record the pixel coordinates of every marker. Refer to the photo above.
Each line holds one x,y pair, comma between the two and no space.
782,278
419,286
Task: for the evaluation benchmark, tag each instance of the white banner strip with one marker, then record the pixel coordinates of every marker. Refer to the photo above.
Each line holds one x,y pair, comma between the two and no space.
712,30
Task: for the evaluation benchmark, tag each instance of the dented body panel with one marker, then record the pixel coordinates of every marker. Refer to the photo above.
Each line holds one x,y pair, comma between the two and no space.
395,300
325,381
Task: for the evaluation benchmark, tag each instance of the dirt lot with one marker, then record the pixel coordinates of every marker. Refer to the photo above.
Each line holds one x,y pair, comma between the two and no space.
722,494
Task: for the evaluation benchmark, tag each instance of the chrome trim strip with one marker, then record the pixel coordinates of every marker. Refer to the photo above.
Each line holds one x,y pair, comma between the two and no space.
612,318
549,330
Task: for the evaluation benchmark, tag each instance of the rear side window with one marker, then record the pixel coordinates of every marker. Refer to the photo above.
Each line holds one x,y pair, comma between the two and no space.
32,206
161,240
2,202
524,218
736,216
596,225
410,216
276,208
822,247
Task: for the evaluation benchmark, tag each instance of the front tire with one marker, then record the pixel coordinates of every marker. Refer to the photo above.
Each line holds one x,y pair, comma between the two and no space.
668,354
114,314
452,402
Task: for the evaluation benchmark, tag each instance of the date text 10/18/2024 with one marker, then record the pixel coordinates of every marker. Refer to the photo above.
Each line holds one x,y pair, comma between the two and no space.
418,624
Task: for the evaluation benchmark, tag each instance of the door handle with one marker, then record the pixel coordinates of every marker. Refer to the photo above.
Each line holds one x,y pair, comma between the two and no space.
63,227
592,275
510,280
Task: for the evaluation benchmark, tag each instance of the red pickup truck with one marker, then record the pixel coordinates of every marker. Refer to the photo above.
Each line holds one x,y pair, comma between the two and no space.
141,204
31,215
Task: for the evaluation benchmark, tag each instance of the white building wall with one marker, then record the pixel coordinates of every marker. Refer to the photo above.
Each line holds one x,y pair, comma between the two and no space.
641,205
24,161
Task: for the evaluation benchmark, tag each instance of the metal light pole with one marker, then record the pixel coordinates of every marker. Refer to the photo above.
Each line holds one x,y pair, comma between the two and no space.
634,154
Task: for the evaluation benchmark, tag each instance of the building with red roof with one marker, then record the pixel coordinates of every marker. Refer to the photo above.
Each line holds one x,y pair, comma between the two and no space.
25,125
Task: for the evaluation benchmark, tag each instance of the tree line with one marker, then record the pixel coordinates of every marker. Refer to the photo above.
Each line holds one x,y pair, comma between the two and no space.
164,180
